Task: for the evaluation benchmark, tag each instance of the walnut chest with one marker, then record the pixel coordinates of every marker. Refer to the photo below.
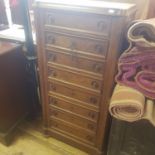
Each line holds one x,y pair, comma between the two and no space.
78,46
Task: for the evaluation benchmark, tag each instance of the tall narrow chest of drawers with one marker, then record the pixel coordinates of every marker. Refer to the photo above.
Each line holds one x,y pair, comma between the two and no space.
78,45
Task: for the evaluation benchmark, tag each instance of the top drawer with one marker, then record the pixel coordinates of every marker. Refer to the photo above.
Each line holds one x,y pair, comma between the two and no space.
87,23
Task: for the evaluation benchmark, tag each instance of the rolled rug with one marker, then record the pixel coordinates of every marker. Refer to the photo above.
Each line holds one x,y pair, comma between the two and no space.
143,33
127,104
149,113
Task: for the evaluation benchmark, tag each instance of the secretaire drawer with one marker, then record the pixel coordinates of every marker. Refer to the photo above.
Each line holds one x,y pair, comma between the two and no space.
87,23
72,118
78,94
69,129
76,61
73,107
74,43
75,77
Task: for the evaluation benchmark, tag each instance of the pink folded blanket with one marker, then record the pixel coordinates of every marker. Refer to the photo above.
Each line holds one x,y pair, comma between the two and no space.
136,69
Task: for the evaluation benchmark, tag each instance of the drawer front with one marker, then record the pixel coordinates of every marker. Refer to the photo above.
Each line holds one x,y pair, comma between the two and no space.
75,61
74,77
70,130
77,109
74,93
88,23
72,118
72,43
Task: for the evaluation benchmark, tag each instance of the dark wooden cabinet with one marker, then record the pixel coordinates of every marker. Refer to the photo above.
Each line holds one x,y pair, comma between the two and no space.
14,93
136,138
78,46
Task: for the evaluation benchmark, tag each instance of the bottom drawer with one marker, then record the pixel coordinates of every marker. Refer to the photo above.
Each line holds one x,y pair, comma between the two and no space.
76,132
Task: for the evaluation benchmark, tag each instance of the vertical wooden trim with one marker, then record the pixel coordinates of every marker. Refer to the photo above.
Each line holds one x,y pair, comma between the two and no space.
40,54
114,50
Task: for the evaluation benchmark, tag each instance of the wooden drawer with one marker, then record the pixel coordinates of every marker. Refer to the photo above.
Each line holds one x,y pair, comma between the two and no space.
74,43
75,93
72,118
82,80
87,23
71,130
76,61
73,107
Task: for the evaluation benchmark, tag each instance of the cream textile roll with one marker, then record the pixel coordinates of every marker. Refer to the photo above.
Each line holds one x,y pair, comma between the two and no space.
145,27
150,112
127,104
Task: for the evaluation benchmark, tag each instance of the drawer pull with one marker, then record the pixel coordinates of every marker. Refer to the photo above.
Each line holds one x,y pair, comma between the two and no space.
99,48
97,67
53,101
91,115
53,88
53,73
71,108
72,118
52,57
55,113
101,25
90,126
73,45
50,39
51,20
55,124
93,100
89,138
95,84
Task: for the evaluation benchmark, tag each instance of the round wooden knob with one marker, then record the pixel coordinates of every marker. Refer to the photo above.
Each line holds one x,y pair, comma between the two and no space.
54,124
53,101
97,67
53,88
99,48
101,25
53,73
72,45
90,126
72,118
51,19
91,115
93,100
50,39
71,108
95,85
54,113
89,138
52,57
